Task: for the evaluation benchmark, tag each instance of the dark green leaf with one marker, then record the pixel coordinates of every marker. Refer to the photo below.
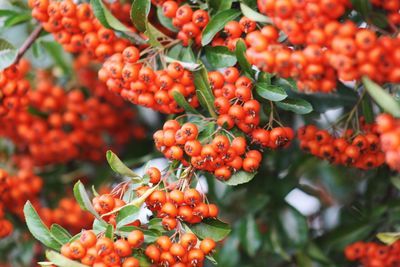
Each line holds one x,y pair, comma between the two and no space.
381,97
296,105
38,229
8,13
60,233
250,236
127,215
211,228
61,261
250,13
8,54
83,199
220,56
119,167
15,20
139,11
217,23
241,177
106,18
219,5
295,225
204,93
362,6
367,109
180,99
240,55
271,92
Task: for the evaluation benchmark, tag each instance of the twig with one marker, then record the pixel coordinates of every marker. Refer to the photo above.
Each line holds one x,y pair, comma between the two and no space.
28,42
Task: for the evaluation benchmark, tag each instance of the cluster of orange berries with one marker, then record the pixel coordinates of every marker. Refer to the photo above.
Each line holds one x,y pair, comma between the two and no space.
360,150
14,88
221,156
71,126
190,23
165,252
76,220
103,252
371,254
179,206
75,27
389,129
144,86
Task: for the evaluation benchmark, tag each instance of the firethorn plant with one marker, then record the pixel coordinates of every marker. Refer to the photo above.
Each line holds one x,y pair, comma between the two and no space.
252,131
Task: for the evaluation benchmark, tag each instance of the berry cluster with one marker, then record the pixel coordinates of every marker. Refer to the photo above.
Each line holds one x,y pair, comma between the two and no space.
165,252
179,206
103,251
190,23
221,156
76,29
389,129
68,125
360,150
144,86
14,88
371,254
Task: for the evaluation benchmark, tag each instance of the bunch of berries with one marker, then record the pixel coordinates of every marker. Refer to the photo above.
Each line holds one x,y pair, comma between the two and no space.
144,86
188,251
371,254
360,150
190,23
233,31
278,137
14,88
389,129
103,251
75,27
178,206
221,156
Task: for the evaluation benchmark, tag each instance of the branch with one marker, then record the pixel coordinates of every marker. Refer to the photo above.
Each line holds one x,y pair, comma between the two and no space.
28,42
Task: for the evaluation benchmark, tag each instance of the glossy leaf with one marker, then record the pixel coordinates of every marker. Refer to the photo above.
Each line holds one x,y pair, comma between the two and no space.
211,228
217,23
220,56
105,17
61,261
241,177
139,11
180,99
8,54
83,200
241,58
119,167
271,92
296,105
219,5
204,93
254,15
127,215
60,233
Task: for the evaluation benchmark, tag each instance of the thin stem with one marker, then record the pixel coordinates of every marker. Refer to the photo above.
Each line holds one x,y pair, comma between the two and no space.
28,42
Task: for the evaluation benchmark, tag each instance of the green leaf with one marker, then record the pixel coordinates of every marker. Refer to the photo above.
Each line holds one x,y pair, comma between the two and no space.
219,5
61,261
56,52
295,225
83,200
139,11
296,105
253,15
150,236
381,97
314,252
362,6
240,177
153,34
15,20
127,215
119,167
217,23
8,13
220,56
271,92
60,233
211,228
250,235
156,224
109,231
366,106
264,77
241,58
388,238
180,99
166,22
38,229
8,54
105,17
204,93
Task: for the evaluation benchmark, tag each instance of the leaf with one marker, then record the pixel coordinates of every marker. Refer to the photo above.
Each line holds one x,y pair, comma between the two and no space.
139,11
366,106
362,6
8,54
381,97
56,52
109,231
156,224
314,252
250,235
219,5
180,99
8,13
211,228
253,15
106,18
119,167
150,236
61,261
83,199
60,233
240,177
166,22
186,65
153,34
271,92
204,93
220,56
295,225
241,58
38,229
20,18
217,23
388,238
296,105
127,215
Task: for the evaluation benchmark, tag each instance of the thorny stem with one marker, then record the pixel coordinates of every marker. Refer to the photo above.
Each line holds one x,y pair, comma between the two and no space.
28,43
